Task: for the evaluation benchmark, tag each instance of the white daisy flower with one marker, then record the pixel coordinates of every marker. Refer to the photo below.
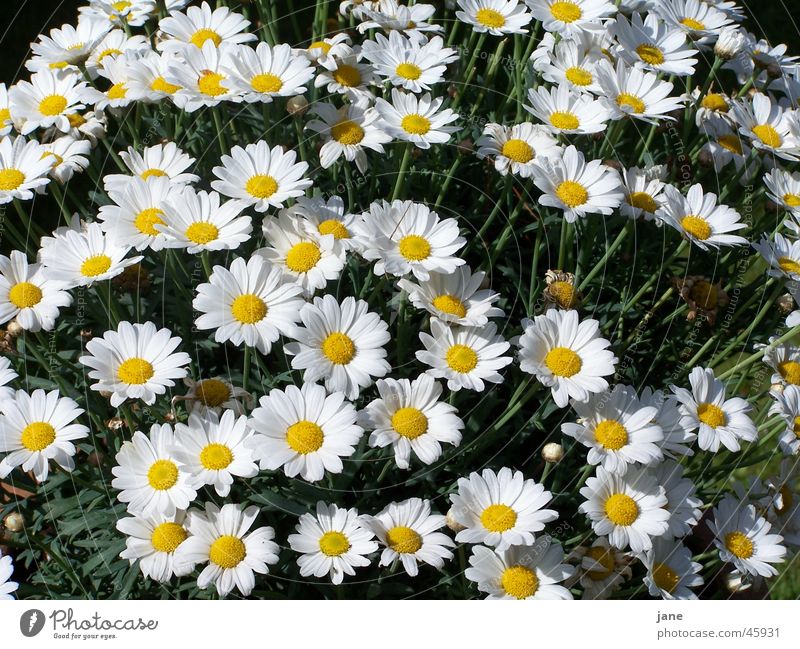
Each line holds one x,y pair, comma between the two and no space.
200,25
83,258
787,405
68,45
326,216
617,430
7,375
783,188
677,438
213,449
628,509
90,125
520,572
250,303
6,123
408,532
266,72
347,132
577,187
325,50
743,539
261,176
333,543
500,509
114,44
161,160
131,13
517,148
221,537
307,258
784,359
25,294
148,476
564,111
407,237
768,126
725,145
69,157
409,416
419,120
643,193
465,356
566,355
147,79
570,64
497,17
455,298
715,106
633,92
344,75
653,44
671,573
36,428
305,431
136,215
135,361
201,78
152,540
341,343
409,64
719,421
682,503
782,255
701,22
24,165
699,218
390,15
570,18
117,72
197,220
46,100
216,394
6,585
784,506
601,569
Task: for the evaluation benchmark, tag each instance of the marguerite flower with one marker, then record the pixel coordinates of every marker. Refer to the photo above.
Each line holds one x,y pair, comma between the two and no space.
671,573
418,120
201,78
564,111
326,216
783,188
345,75
6,585
643,193
160,160
25,294
152,540
46,100
69,157
7,375
517,148
767,125
216,394
787,405
601,569
390,15
201,25
266,72
497,17
653,44
571,64
784,359
633,92
147,78
409,64
69,45
571,17
682,503
782,255
24,165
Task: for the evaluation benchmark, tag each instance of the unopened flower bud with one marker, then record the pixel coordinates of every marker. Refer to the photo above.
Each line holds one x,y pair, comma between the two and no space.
452,523
729,44
774,71
785,304
14,522
552,452
297,106
14,329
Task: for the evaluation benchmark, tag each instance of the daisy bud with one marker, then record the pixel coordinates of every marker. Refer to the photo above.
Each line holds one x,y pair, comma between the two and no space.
729,44
14,522
785,304
735,584
774,71
552,453
451,522
297,106
13,329
87,334
776,388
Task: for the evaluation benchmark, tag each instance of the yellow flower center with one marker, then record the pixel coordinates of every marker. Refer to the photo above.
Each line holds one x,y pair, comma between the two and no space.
578,76
211,84
789,265
518,151
152,173
58,65
160,84
611,434
203,35
572,194
408,71
76,120
697,226
790,371
227,551
731,143
691,23
791,200
25,295
643,201
409,422
347,132
716,102
135,371
490,18
704,294
339,348
303,256
632,101
261,186
248,308
322,45
564,362
665,577
796,427
52,105
5,115
564,121
621,510
414,247
106,53
10,179
305,437
334,227
563,293
711,415
162,475
38,435
519,582
347,76
146,220
605,558
96,265
567,12
650,54
212,392
739,545
266,83
498,518
202,233
416,124
450,304
403,540
117,91
120,5
216,457
333,544
167,537
461,359
768,135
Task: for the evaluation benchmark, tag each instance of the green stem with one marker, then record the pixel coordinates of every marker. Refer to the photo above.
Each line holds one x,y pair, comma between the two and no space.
401,174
